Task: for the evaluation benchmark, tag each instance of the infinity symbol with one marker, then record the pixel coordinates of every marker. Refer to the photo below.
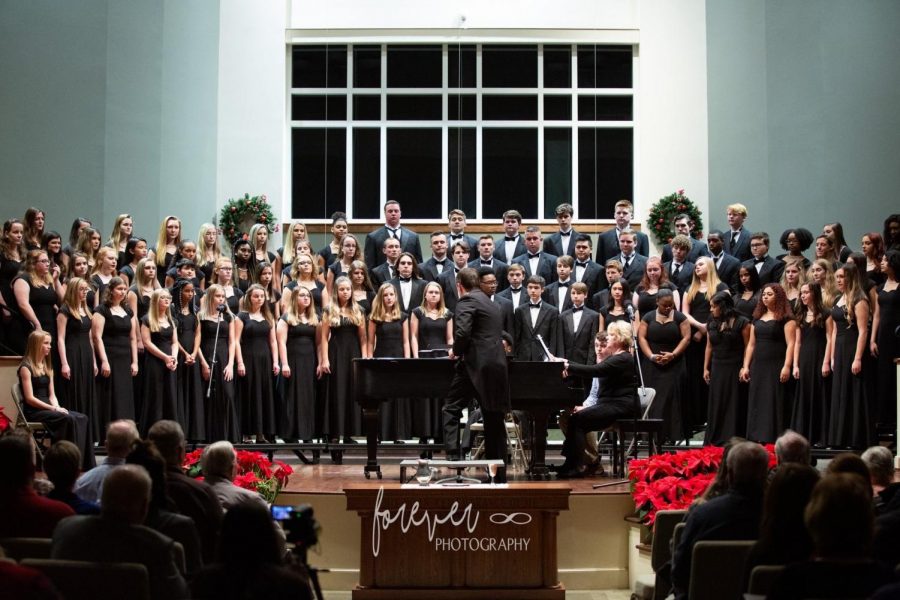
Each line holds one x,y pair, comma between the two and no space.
516,518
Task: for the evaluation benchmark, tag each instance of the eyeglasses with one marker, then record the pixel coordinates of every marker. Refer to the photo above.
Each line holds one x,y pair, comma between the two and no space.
43,261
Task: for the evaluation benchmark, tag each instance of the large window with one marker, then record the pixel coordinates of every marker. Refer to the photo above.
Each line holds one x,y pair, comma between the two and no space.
479,127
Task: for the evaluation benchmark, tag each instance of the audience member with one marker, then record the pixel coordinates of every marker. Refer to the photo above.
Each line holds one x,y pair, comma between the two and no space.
117,534
791,447
880,462
62,464
219,464
120,438
25,583
25,514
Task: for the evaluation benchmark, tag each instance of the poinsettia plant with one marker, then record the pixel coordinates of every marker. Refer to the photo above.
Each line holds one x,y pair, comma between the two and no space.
255,472
673,481
5,422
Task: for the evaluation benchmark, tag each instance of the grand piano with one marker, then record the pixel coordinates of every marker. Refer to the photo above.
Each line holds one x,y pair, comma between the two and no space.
535,387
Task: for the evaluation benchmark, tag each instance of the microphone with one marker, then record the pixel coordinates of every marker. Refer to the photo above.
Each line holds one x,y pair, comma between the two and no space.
221,308
629,310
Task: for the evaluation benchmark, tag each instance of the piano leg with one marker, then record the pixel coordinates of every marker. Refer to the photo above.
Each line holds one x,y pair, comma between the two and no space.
370,422
539,443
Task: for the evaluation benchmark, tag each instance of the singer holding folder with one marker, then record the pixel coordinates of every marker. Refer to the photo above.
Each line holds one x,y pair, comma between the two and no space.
616,396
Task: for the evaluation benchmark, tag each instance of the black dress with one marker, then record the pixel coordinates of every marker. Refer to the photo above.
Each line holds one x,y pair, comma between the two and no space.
396,414
74,426
852,422
234,301
160,395
647,301
766,396
341,416
115,394
255,388
78,392
221,413
727,395
812,393
610,318
10,327
745,308
43,301
299,390
327,255
189,381
161,270
694,356
426,414
888,350
668,380
315,292
143,306
98,287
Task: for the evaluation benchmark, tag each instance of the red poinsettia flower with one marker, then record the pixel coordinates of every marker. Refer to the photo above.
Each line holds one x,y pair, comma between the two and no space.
5,422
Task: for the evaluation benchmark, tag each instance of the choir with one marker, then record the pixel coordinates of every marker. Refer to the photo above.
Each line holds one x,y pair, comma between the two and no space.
258,344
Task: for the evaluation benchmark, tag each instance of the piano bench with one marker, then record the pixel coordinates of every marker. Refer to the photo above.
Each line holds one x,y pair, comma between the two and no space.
617,431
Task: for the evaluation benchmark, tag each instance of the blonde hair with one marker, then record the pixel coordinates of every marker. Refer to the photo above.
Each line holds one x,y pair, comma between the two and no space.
85,244
295,314
252,239
801,279
220,262
264,310
380,312
295,268
620,332
98,259
441,307
71,299
115,239
31,262
289,248
334,312
712,280
829,289
32,359
203,248
357,255
737,208
162,239
140,279
153,320
206,309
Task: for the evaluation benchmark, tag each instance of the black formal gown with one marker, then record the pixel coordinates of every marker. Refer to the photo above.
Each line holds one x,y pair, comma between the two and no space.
143,306
767,396
812,392
395,414
98,286
115,394
341,416
608,318
221,413
74,426
161,270
299,390
160,394
11,331
189,381
852,421
694,356
234,301
727,395
426,414
79,393
43,301
647,301
255,388
745,308
888,351
668,380
315,292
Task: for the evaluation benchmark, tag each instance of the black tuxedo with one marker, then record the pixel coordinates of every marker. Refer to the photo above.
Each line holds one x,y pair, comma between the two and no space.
728,269
635,271
480,372
416,293
741,250
523,296
447,280
409,242
429,268
683,280
500,249
697,250
500,269
382,273
525,342
771,270
578,344
470,240
546,267
599,300
594,277
506,308
608,245
551,296
553,244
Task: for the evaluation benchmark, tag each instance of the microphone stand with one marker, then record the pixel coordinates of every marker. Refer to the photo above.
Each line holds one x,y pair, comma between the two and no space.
214,362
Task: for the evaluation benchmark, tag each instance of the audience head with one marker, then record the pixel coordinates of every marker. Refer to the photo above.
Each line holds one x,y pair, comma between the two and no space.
62,464
219,460
146,455
126,494
748,467
792,447
248,537
880,462
720,484
785,501
839,517
847,462
120,438
169,439
16,462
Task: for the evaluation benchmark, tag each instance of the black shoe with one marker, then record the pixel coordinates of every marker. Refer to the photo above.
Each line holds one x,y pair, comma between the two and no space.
350,440
572,473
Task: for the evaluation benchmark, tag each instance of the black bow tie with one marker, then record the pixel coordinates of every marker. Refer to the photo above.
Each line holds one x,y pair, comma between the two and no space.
405,279
756,261
457,237
515,290
565,233
581,264
530,255
577,308
538,305
456,269
487,262
510,239
443,263
565,284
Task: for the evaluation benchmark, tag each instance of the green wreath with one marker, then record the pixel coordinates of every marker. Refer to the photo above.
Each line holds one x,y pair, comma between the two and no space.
239,215
663,213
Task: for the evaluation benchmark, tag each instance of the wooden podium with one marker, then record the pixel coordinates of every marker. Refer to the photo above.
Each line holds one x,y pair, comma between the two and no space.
440,542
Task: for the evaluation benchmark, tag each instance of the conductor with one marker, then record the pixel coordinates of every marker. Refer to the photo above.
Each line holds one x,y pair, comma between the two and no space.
480,371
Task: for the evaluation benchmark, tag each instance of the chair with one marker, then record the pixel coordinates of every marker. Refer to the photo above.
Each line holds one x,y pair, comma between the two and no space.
717,569
36,429
617,431
763,578
25,547
676,537
661,550
514,445
82,580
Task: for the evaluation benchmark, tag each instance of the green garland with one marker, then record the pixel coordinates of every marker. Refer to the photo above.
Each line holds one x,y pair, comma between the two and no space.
236,213
663,212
